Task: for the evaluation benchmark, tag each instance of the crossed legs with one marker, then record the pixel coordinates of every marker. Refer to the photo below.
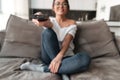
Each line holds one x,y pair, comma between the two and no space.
50,48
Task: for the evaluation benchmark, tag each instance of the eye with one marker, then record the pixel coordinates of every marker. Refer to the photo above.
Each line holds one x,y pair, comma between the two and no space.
64,4
57,3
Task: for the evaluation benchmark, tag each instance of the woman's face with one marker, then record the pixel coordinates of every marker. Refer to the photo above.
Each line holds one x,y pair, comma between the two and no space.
60,7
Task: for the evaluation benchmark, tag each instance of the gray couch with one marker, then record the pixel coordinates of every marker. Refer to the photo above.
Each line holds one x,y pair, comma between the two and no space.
20,42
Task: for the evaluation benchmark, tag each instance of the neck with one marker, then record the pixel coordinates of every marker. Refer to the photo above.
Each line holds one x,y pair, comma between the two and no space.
60,18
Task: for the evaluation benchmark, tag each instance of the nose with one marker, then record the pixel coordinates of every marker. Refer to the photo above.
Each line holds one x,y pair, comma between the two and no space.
61,5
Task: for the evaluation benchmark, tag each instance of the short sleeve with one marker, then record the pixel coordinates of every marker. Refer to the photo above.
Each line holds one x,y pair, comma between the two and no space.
72,30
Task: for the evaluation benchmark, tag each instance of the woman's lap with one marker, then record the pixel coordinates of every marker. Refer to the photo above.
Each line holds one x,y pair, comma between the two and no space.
76,63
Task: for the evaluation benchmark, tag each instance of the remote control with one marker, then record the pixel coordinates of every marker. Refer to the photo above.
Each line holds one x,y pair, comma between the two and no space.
41,17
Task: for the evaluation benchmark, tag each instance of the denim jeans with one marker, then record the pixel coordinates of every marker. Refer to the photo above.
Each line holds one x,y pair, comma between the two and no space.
69,65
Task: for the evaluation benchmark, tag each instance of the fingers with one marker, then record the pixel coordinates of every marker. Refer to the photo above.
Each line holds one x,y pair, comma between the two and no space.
48,24
35,22
54,66
42,23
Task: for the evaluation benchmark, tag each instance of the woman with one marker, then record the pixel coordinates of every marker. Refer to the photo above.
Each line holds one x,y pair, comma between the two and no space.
57,43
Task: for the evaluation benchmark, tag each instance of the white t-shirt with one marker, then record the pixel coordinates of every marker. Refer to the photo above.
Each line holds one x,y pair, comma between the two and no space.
61,33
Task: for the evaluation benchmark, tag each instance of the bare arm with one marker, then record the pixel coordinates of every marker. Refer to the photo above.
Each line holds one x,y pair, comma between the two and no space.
47,23
65,44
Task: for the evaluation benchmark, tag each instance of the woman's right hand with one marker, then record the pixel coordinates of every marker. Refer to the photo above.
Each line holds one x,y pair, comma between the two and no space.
47,23
36,22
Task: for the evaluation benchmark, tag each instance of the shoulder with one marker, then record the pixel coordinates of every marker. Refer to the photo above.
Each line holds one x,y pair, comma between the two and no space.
72,25
71,22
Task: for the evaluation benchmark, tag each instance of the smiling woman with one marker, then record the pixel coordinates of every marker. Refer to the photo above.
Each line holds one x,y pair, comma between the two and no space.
57,44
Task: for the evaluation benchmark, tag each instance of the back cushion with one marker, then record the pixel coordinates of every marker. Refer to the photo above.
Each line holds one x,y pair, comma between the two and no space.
95,38
22,38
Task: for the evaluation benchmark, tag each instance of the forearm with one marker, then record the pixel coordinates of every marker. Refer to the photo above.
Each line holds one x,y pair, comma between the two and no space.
47,24
65,45
63,49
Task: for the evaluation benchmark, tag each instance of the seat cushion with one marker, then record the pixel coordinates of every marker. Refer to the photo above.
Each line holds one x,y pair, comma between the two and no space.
101,69
9,70
95,38
22,38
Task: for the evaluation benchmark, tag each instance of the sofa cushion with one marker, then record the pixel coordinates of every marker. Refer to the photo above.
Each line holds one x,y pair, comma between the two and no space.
22,38
101,69
9,70
95,38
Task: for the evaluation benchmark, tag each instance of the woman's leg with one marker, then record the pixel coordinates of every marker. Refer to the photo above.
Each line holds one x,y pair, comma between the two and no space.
77,63
45,58
50,46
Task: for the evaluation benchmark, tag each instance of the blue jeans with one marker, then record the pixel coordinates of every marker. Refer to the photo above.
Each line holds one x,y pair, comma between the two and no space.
69,65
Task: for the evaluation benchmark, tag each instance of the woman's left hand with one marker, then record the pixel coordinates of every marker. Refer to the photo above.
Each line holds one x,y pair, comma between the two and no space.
55,64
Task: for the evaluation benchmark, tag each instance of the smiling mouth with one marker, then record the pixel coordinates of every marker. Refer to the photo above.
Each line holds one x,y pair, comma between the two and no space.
61,10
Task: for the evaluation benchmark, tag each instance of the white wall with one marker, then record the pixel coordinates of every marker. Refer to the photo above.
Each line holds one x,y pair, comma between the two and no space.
22,8
103,8
103,12
74,4
0,6
16,7
83,4
40,4
7,6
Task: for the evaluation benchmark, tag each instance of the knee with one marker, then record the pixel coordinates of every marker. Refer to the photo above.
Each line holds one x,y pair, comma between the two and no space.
85,59
48,33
